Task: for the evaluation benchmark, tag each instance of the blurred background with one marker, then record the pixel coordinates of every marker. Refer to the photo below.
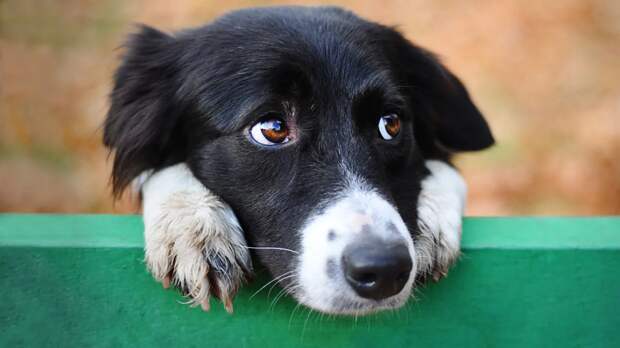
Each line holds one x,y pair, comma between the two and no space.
545,73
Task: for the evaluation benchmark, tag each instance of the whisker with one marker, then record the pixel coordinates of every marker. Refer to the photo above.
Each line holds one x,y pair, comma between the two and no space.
272,281
290,319
303,331
281,294
276,299
268,248
292,289
273,285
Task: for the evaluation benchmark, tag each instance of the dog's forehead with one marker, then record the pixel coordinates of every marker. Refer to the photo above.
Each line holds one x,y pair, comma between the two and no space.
248,54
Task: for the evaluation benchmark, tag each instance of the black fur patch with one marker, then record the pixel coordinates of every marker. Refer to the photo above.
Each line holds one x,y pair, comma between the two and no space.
331,235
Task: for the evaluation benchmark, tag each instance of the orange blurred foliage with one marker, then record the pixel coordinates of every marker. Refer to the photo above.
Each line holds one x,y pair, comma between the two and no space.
545,74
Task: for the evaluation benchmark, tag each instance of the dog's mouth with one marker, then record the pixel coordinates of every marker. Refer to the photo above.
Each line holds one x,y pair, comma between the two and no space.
356,257
346,306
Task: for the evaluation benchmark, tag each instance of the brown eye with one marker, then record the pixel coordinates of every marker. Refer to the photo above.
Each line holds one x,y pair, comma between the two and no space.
272,131
389,126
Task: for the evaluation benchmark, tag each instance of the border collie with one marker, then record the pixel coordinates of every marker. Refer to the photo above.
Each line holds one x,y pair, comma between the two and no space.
316,139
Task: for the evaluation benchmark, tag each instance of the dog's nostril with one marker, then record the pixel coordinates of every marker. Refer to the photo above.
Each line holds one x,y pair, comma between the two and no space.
376,269
367,279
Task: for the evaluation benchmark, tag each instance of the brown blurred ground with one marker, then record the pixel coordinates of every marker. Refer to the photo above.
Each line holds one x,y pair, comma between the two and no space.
546,74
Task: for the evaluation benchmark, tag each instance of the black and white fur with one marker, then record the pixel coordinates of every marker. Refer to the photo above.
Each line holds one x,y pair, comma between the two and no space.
183,104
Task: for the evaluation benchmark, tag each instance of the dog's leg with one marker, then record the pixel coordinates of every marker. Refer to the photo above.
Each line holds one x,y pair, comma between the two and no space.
192,238
441,205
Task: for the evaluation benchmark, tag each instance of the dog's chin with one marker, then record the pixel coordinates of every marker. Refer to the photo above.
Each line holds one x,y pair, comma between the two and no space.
353,305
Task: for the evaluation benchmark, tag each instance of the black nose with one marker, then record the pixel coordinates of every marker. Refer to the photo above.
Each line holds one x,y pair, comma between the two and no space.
376,269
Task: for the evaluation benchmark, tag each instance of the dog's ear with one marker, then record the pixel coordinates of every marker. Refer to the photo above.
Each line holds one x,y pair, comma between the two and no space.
458,123
448,111
143,114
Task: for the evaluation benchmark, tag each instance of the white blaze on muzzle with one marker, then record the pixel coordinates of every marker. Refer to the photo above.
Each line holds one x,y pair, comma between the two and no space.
359,216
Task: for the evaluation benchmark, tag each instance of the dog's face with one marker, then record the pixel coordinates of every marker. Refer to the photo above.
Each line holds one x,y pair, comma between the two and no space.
313,125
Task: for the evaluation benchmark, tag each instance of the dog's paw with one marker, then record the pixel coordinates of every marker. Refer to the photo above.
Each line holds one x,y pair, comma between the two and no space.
440,209
192,238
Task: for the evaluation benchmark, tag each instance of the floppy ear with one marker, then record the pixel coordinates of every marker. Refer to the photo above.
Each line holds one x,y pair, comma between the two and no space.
143,115
448,111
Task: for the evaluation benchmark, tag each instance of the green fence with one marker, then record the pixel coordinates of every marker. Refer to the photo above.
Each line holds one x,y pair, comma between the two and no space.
79,281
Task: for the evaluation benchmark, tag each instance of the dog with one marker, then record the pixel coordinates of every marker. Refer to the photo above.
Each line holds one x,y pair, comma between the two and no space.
318,140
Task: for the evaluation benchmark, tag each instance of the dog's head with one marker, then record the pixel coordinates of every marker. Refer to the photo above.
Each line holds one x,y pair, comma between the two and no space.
313,125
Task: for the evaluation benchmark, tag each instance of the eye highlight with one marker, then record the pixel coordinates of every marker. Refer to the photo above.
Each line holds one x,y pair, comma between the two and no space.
270,132
389,126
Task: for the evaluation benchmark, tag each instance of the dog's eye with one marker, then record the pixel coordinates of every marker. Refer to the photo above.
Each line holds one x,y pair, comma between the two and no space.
270,131
389,126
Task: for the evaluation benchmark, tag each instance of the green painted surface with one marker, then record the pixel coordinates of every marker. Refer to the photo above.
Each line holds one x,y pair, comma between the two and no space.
77,281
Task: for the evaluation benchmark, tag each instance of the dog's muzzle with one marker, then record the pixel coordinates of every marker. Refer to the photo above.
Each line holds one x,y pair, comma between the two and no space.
356,256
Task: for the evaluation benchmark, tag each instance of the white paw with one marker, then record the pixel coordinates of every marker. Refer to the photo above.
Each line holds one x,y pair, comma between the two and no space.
192,238
441,205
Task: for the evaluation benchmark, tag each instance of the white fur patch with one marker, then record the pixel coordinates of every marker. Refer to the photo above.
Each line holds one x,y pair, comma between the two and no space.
189,232
441,205
324,238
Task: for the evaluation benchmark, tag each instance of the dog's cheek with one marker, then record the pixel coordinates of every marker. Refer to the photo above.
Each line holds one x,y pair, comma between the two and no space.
405,188
256,184
275,237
